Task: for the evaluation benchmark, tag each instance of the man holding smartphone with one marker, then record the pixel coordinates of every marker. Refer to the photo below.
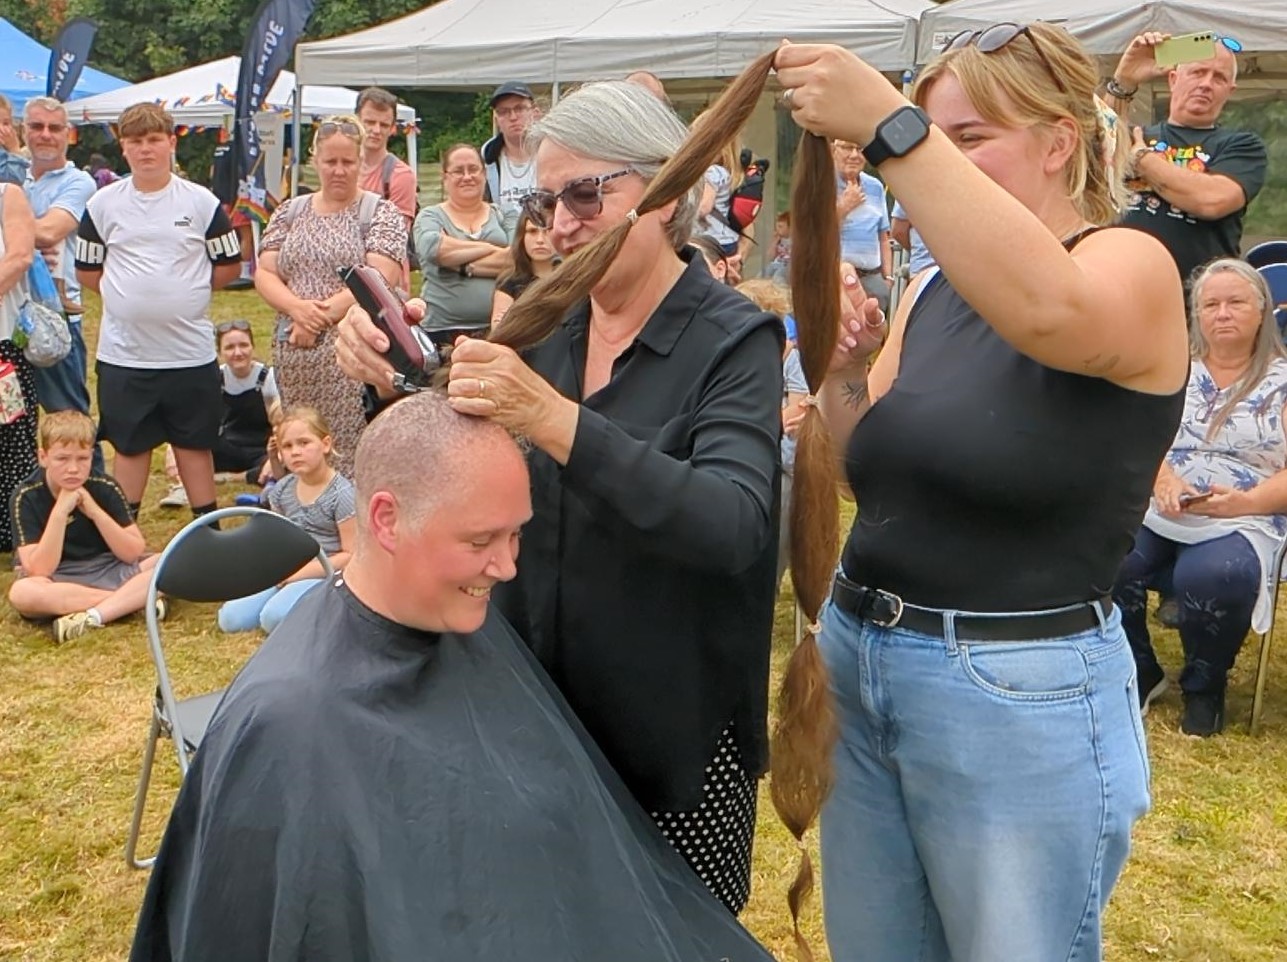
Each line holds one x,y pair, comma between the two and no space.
1191,180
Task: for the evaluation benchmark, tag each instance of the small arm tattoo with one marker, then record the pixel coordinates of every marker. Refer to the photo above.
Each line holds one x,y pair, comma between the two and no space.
854,393
1099,366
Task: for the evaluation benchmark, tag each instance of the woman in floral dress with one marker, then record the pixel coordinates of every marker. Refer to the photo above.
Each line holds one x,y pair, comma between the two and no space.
304,245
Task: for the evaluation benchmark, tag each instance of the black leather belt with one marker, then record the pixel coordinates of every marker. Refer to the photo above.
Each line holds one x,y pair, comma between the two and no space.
888,610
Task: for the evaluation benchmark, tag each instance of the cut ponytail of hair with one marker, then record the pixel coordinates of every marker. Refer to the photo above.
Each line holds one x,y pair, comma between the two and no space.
538,313
806,731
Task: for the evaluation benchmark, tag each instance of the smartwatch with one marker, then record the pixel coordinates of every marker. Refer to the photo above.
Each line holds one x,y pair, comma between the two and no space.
897,135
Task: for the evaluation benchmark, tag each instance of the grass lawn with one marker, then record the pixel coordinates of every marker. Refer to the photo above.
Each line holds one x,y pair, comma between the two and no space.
1207,883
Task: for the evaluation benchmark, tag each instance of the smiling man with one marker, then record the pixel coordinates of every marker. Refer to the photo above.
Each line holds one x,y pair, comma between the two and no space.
392,777
1191,180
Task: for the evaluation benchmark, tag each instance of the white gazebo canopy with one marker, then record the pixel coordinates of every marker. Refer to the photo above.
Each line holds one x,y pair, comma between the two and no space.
1107,26
477,43
204,96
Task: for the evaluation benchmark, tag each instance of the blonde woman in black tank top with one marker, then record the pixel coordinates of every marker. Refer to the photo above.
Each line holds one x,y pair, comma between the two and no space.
1001,451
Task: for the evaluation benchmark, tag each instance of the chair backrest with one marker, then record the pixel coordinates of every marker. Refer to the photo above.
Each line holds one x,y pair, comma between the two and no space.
1270,252
1275,276
203,563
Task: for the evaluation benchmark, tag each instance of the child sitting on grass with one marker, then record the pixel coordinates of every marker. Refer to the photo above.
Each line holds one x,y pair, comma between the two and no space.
80,556
317,498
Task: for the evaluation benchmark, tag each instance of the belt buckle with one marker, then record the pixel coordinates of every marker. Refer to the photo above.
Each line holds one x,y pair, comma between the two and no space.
894,602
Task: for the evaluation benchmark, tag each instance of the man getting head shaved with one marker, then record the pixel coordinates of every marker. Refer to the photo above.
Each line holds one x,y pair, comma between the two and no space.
393,777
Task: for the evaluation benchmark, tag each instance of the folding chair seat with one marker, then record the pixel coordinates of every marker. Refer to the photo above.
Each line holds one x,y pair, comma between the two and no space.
204,563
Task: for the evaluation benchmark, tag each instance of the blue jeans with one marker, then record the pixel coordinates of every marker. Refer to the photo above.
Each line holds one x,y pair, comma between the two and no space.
984,793
1216,584
63,387
263,610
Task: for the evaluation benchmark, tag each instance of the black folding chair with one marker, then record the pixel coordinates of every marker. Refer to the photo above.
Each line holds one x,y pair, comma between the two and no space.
204,563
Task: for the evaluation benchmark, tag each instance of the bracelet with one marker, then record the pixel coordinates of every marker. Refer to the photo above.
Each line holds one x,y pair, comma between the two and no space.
463,270
1117,90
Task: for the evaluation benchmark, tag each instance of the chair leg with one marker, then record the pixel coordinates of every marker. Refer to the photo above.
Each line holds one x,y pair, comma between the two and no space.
140,798
1262,673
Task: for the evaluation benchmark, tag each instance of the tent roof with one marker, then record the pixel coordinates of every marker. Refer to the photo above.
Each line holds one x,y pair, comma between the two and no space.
204,96
471,43
24,68
1107,26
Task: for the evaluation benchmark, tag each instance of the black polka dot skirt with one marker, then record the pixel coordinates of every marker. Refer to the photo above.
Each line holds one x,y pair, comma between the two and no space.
17,440
715,838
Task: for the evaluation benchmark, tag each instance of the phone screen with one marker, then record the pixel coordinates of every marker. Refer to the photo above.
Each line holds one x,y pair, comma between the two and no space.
1185,49
1188,499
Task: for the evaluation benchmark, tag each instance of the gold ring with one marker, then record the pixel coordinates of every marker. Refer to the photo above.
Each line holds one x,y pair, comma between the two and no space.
482,388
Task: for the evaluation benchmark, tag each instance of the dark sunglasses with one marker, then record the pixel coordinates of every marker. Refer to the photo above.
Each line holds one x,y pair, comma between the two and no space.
999,35
346,127
237,325
582,197
39,128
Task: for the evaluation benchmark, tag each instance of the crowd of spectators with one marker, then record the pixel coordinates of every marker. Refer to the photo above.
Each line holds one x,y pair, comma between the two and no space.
661,368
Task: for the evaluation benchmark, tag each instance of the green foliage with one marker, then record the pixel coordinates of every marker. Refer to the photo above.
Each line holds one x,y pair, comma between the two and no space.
1267,216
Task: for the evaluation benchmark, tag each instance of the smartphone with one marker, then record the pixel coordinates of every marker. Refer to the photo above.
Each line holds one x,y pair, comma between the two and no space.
1189,499
1185,49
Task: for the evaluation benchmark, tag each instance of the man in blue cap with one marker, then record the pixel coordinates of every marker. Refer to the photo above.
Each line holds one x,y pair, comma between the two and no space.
511,170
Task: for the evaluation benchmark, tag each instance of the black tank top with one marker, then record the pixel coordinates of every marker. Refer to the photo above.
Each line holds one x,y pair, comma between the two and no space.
989,482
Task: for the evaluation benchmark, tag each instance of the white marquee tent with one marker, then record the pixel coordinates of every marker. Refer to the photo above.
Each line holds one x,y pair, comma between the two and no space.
1107,26
477,43
204,96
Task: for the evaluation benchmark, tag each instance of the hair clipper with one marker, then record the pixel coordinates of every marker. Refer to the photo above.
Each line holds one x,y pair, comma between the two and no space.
413,355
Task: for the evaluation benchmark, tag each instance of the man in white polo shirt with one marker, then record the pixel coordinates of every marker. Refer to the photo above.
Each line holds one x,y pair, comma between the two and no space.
155,246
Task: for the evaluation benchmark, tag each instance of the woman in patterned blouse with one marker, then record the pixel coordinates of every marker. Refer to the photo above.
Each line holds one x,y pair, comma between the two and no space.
1217,516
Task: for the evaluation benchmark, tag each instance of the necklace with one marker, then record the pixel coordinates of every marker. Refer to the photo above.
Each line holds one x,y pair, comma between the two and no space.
516,172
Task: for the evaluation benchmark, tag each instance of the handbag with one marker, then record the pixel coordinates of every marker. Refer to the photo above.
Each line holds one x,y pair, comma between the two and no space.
42,331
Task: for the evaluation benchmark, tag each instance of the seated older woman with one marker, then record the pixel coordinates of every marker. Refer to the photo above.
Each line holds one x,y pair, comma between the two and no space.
1217,513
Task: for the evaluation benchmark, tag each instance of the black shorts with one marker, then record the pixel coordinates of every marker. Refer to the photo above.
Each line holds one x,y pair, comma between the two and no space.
140,408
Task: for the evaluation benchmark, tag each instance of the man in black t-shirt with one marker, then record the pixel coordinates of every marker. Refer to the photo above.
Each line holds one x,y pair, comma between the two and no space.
81,558
1191,180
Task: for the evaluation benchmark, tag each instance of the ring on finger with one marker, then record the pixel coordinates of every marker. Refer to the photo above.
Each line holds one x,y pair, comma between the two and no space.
482,388
787,96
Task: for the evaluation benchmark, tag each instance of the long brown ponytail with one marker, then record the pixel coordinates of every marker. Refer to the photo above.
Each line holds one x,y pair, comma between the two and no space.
538,313
806,731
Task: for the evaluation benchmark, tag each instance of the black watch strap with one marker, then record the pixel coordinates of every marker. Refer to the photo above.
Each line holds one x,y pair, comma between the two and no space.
897,135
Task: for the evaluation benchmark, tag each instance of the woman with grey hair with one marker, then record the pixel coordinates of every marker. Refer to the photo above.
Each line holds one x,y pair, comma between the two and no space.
1219,504
645,585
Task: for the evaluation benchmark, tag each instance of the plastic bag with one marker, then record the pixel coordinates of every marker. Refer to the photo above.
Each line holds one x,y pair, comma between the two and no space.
42,331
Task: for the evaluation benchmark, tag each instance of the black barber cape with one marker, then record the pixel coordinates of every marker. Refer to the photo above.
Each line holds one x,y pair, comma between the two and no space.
367,791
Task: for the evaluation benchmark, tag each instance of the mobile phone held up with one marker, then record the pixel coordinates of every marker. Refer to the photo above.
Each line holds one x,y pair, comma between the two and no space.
413,356
1187,500
1187,48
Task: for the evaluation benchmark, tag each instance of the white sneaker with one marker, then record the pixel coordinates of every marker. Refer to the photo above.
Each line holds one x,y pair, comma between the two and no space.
177,498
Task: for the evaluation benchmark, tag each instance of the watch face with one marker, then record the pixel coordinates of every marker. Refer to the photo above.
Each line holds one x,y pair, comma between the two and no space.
904,131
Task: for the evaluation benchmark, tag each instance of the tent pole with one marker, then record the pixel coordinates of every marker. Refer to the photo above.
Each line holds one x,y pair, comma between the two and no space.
296,137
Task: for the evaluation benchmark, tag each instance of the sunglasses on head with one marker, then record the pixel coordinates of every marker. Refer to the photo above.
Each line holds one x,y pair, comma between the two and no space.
999,35
237,325
582,197
346,127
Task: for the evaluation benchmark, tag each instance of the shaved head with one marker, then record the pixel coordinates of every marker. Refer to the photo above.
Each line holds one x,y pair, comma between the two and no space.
416,450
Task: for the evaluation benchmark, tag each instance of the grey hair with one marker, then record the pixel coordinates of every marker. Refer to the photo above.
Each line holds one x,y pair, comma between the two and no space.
44,103
618,121
415,451
1268,345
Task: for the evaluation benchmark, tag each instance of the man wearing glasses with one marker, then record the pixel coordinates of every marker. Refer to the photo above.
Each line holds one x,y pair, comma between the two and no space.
864,222
510,169
58,192
1191,180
